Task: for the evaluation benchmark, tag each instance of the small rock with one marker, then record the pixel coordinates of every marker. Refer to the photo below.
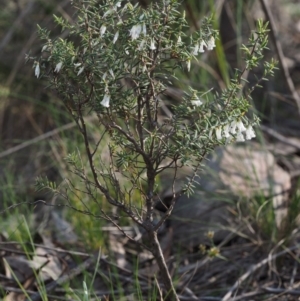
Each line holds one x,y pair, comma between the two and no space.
231,172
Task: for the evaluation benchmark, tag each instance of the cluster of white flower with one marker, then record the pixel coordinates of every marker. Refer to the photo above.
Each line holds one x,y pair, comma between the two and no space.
196,101
80,69
136,30
236,128
107,13
112,10
199,47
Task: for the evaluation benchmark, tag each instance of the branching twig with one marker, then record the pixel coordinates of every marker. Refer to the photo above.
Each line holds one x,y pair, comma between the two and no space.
253,269
280,137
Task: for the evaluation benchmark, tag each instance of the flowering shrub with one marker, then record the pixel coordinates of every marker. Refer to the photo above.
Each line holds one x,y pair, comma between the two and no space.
117,62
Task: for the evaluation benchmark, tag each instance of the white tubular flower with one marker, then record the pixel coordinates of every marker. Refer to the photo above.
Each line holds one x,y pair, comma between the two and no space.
58,67
240,137
197,103
102,30
179,41
104,76
80,70
188,65
211,43
226,130
37,70
105,101
142,45
233,127
152,45
240,126
135,31
219,133
116,37
77,65
112,73
201,46
118,5
196,49
45,47
250,133
195,100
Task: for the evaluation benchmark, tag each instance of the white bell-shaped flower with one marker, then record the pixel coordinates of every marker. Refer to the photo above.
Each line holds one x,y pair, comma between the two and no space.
116,37
211,43
226,130
240,137
197,103
135,31
250,133
105,101
195,100
201,46
188,65
196,49
37,70
102,30
80,70
152,45
233,127
58,67
219,133
240,126
112,73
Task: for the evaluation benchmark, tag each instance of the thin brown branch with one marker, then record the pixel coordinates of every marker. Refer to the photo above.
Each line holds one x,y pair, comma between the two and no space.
280,137
166,277
274,35
124,233
41,138
253,269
